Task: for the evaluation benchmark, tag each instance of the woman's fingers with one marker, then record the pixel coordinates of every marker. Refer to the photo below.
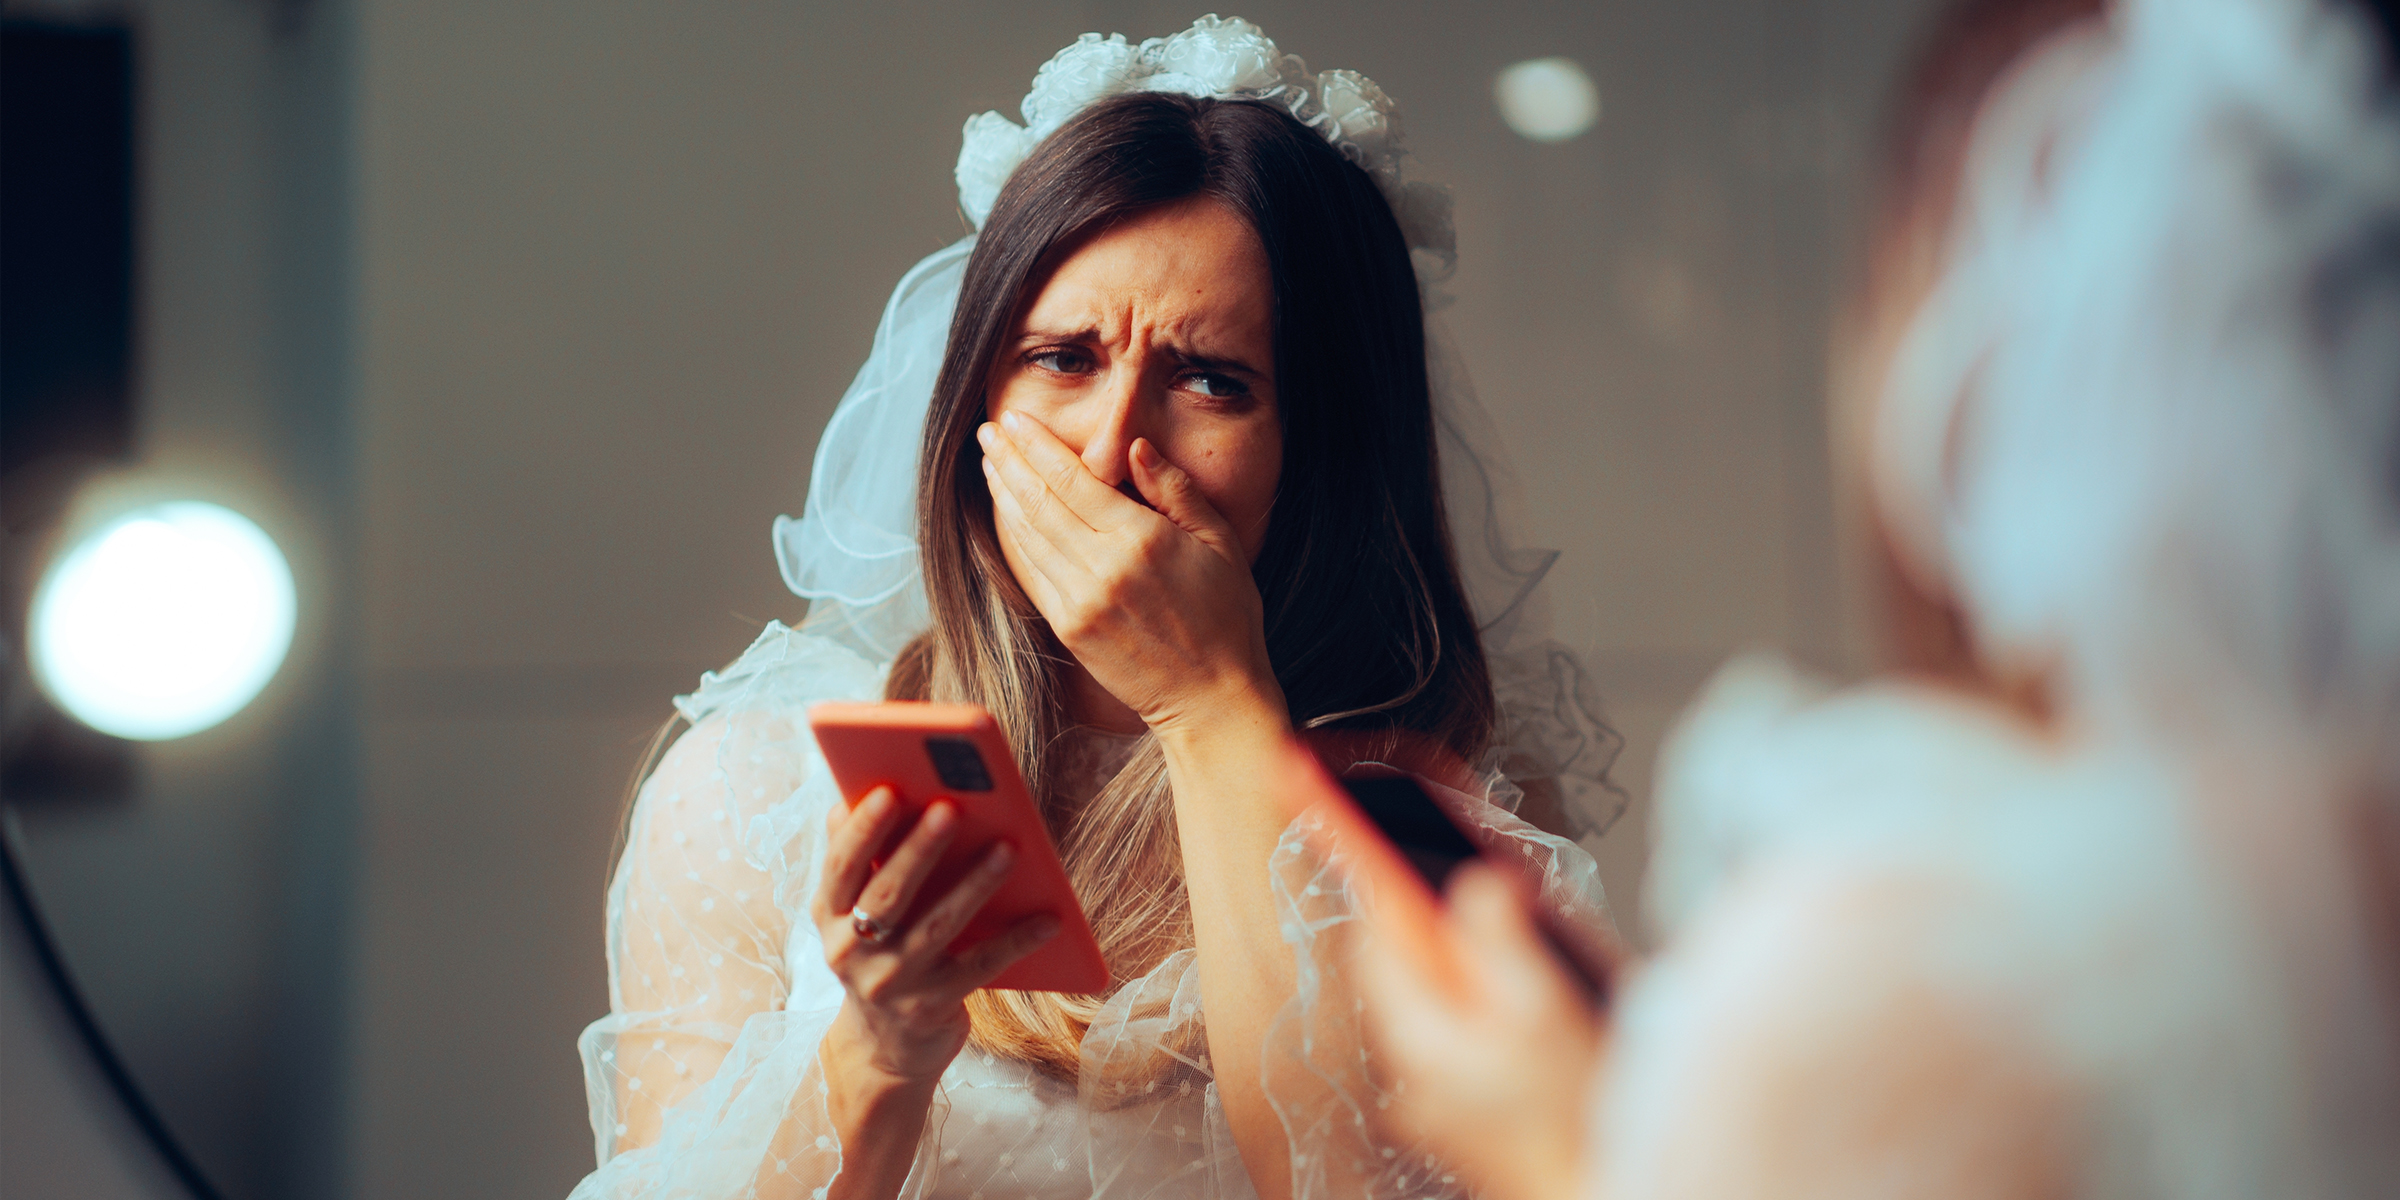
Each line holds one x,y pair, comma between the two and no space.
850,848
889,895
1054,570
1041,515
984,962
951,913
1044,507
1092,503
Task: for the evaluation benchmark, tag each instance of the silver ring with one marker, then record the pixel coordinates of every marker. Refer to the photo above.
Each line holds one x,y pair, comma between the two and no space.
867,927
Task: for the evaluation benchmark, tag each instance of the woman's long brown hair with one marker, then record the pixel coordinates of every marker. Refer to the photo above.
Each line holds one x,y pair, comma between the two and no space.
1367,624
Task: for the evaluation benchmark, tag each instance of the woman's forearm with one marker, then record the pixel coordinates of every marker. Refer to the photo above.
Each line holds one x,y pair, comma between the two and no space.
1229,817
878,1118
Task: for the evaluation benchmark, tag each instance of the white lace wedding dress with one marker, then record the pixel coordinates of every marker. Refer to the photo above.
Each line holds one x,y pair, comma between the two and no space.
703,1078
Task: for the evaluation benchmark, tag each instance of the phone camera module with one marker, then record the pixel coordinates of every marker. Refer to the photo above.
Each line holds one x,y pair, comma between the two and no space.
959,764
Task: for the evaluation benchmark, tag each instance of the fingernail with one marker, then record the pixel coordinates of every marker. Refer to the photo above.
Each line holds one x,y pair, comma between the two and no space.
1014,421
985,435
938,817
1001,858
1045,927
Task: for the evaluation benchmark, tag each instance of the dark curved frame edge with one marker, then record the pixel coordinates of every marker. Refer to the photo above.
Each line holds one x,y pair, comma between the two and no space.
95,1041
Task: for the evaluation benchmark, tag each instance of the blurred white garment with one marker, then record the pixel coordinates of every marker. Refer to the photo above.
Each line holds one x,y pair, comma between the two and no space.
2058,898
2146,433
703,1079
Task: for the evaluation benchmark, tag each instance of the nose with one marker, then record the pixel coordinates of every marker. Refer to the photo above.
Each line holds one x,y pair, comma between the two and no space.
1116,419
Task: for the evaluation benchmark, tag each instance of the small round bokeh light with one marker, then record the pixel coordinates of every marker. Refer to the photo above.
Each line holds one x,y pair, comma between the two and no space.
162,622
1547,99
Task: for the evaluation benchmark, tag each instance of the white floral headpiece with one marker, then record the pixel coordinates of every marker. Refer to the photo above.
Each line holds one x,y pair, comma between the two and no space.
1222,59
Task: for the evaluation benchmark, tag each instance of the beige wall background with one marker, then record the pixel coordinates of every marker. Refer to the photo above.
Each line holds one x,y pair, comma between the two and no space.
610,265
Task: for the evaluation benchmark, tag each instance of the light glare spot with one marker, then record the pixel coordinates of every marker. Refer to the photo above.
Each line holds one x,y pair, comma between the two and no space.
163,622
1547,99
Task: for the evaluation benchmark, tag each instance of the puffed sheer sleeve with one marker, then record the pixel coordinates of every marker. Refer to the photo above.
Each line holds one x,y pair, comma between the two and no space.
703,1080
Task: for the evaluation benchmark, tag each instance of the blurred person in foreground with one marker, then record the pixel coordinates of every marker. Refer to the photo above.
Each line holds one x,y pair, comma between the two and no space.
2094,892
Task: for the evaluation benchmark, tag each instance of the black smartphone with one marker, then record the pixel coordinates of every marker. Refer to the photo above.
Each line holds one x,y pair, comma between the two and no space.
1434,844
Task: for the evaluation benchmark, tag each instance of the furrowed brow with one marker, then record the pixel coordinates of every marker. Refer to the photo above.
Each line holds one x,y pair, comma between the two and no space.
1208,362
1078,337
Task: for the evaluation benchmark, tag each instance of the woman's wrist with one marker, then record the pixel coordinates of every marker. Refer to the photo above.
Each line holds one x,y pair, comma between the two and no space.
878,1117
1238,718
863,1096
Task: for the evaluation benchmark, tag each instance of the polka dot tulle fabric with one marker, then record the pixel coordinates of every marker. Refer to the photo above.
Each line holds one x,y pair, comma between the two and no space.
703,1078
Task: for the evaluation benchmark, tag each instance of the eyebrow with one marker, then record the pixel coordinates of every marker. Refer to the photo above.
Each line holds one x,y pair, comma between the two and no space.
1088,336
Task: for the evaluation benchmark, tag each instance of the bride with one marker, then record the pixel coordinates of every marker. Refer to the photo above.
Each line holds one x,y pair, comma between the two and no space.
1170,424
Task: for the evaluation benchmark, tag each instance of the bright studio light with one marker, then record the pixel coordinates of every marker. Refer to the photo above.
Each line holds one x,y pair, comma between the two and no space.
163,622
1547,99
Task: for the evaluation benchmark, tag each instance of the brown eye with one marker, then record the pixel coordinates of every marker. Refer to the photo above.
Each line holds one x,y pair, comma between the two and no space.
1061,362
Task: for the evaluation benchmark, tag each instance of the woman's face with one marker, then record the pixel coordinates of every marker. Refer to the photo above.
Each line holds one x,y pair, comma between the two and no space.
1163,328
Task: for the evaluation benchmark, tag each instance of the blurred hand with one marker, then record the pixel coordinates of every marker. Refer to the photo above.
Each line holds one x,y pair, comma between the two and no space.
1155,600
1496,1078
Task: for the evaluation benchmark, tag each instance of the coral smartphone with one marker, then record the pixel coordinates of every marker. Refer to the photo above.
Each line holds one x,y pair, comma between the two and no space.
1407,845
955,752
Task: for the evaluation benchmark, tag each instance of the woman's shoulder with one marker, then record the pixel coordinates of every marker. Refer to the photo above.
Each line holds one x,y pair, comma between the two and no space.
1762,724
2047,851
785,670
746,783
1770,759
1997,1014
1807,988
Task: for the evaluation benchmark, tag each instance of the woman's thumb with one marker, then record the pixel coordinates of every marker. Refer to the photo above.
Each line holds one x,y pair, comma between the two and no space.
1491,917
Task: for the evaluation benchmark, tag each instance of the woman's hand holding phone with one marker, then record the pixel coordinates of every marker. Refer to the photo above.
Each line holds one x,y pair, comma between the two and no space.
904,1015
906,989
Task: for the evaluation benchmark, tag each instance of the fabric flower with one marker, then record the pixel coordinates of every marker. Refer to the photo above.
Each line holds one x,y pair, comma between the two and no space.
1221,57
1092,69
990,148
1363,122
1216,57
